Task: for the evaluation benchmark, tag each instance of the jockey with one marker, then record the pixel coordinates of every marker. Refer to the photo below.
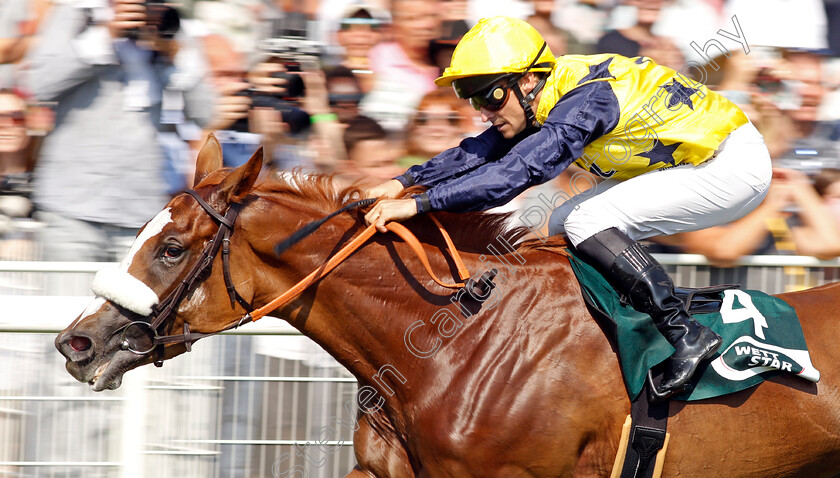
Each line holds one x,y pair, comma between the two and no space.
674,156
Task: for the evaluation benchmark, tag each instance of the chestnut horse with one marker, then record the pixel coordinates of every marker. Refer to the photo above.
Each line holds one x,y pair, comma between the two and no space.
523,384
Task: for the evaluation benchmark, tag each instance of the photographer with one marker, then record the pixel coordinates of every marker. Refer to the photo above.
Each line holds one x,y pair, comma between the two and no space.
788,99
403,69
260,106
782,91
99,175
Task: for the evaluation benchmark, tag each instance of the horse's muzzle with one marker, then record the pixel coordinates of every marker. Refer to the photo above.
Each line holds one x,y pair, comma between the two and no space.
75,347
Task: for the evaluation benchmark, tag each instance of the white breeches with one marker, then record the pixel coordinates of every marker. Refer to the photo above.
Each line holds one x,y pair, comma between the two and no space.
678,199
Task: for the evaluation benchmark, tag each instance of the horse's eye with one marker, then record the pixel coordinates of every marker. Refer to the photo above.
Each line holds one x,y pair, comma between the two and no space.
172,251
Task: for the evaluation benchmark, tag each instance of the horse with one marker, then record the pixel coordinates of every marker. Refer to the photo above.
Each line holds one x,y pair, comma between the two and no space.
521,382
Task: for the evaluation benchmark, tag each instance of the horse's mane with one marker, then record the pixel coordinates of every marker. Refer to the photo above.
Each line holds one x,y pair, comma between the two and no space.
471,232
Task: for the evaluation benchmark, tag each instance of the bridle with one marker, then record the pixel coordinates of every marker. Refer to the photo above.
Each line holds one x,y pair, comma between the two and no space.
154,325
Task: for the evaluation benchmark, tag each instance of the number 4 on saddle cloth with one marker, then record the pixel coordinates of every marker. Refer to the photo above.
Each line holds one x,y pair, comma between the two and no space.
761,337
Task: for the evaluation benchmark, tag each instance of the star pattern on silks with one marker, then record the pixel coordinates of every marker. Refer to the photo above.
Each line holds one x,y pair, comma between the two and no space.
641,60
601,70
661,153
679,94
593,168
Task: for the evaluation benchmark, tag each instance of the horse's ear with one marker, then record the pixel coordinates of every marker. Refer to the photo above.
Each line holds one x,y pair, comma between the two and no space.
209,159
236,186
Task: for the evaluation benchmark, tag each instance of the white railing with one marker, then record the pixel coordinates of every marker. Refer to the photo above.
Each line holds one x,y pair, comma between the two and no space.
232,407
248,403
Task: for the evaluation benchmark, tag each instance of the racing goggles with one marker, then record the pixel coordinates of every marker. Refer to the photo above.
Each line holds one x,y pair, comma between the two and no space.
485,91
493,100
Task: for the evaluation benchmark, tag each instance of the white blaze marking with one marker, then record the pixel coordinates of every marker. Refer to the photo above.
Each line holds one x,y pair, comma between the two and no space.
93,307
152,229
120,287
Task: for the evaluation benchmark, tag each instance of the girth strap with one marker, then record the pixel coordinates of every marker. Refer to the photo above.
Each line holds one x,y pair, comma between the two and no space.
648,435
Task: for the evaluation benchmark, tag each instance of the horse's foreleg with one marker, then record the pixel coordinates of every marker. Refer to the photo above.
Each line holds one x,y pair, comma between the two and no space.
379,452
357,472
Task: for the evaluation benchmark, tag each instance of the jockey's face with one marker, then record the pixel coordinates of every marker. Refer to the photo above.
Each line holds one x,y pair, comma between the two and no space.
510,119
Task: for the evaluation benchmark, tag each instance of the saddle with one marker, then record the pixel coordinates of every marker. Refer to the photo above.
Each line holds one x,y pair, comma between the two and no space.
762,338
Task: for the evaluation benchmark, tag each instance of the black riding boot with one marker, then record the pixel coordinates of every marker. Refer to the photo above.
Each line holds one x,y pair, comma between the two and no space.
639,277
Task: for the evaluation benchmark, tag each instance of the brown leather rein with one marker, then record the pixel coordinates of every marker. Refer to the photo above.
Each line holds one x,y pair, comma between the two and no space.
154,325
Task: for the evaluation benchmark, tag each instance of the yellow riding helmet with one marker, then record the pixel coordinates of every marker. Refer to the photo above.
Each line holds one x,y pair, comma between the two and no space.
498,45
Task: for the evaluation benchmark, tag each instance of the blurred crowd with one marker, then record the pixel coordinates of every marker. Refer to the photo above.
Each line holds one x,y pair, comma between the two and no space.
105,103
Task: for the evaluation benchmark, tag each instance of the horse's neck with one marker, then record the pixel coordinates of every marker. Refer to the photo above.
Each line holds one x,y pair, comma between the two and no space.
361,311
378,313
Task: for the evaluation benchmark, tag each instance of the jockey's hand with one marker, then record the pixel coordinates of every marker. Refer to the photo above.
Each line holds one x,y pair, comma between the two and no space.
391,210
388,189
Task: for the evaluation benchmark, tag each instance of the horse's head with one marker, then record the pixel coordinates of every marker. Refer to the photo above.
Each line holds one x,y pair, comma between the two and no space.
156,289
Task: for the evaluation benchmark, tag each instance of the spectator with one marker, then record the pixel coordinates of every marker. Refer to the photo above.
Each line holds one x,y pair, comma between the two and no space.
454,11
333,98
228,75
585,19
440,123
559,41
454,25
781,23
792,219
735,79
639,39
789,94
344,92
237,21
441,49
182,65
360,30
18,23
99,175
17,158
370,157
827,185
403,70
263,106
16,147
782,92
832,14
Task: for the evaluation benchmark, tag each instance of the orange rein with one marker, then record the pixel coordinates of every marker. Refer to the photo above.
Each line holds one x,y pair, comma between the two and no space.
355,244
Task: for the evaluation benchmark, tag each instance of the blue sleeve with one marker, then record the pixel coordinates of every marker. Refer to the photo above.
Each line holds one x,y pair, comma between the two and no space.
580,117
471,153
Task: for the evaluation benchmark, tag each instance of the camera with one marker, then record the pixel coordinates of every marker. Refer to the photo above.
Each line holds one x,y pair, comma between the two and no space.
782,93
162,21
809,159
297,119
289,45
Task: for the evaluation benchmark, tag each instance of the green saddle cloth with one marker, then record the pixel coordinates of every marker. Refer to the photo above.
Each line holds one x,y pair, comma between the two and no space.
761,338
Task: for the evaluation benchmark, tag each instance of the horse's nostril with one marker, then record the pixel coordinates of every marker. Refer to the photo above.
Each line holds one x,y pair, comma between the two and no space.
79,344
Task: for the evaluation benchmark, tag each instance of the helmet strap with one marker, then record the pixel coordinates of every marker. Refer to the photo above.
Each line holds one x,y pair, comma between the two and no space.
525,100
